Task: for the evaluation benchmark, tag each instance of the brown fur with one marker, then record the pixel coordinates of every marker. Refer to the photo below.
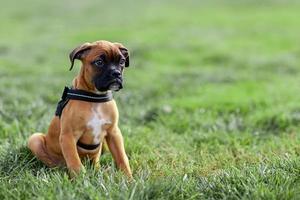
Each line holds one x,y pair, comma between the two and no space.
58,147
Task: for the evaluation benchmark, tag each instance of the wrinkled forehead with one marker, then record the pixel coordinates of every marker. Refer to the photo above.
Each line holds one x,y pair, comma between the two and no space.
106,49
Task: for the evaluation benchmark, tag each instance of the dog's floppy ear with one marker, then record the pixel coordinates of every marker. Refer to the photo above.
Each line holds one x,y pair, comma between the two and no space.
125,53
78,52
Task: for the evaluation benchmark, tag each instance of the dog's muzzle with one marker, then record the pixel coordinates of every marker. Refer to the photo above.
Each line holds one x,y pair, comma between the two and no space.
109,80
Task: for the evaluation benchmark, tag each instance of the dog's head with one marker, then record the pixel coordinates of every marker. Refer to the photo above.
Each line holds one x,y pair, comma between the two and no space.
103,63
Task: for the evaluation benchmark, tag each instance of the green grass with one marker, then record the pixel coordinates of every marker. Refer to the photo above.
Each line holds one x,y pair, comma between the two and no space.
210,108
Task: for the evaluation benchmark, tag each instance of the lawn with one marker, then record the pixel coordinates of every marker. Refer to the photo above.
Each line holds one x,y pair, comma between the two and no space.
210,107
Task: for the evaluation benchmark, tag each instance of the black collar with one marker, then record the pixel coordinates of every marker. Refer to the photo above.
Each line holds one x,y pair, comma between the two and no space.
83,95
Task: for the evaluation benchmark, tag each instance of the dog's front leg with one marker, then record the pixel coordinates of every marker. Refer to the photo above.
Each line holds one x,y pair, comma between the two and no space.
69,150
115,143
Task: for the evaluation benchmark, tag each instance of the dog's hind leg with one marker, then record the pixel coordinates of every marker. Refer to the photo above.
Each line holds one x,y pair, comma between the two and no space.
96,158
37,145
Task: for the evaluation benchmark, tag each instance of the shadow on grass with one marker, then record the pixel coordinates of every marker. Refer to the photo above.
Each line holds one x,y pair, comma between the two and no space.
277,124
17,160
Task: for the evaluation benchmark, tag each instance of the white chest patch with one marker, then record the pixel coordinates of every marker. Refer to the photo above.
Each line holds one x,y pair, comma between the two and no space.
96,123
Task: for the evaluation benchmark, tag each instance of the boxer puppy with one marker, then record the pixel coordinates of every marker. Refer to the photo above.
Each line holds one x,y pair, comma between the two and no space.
89,123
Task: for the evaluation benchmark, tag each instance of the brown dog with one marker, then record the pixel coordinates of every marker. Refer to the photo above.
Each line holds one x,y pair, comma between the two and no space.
80,128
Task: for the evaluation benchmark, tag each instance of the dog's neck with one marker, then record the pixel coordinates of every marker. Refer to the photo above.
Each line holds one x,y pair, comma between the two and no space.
81,82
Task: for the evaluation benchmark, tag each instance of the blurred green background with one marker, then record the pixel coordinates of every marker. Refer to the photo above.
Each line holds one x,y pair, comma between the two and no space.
210,108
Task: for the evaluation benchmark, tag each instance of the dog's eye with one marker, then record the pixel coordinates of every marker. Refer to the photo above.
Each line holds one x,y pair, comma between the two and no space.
99,63
122,61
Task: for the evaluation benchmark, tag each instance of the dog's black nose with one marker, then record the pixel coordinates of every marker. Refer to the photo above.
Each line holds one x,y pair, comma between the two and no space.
116,73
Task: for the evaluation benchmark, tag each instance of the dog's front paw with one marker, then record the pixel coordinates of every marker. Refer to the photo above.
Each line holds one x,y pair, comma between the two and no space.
75,171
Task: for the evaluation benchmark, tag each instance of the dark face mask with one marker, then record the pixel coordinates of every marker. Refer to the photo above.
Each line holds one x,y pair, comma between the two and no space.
109,79
109,76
